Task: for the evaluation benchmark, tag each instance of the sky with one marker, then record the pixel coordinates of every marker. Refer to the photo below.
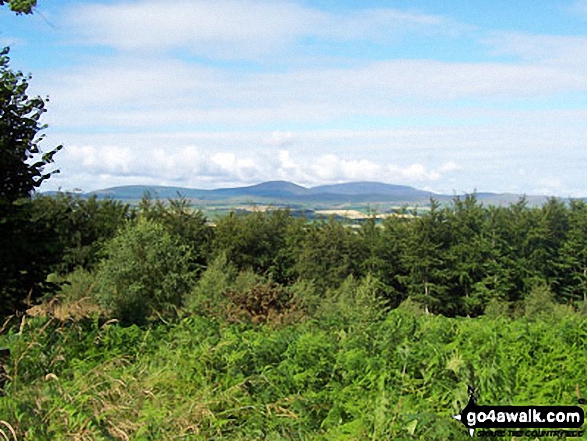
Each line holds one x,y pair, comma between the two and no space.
447,96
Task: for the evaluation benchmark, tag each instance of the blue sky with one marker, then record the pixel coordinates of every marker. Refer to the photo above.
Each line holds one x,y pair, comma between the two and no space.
448,96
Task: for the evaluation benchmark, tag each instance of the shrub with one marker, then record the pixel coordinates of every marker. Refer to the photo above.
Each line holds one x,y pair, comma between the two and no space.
78,284
145,271
497,308
207,296
262,302
354,303
412,307
539,302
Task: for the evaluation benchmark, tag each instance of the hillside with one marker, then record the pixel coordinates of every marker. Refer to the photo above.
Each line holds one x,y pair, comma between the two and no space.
288,193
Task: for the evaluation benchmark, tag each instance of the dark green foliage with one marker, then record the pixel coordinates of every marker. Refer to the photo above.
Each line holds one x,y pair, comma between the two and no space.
255,241
571,265
22,164
425,258
326,254
453,259
29,253
79,227
53,234
20,6
27,246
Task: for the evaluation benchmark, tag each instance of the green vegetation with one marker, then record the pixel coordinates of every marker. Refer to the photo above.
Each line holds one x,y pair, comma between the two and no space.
151,324
145,269
396,375
20,6
26,244
270,327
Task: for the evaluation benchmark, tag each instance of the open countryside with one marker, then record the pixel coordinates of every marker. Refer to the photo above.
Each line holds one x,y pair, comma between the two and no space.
293,220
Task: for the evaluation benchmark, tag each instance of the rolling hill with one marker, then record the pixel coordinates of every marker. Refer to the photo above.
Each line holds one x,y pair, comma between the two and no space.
279,191
288,193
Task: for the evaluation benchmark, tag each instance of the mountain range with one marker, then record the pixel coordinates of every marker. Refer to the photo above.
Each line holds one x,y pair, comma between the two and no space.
284,192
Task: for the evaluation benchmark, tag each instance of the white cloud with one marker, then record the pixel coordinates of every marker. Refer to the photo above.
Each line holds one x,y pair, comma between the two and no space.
383,24
481,158
579,8
196,167
279,138
331,168
240,169
562,51
413,173
239,28
138,94
107,159
450,167
209,27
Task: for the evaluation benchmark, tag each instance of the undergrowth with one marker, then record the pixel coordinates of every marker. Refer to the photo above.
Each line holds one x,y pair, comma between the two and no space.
398,376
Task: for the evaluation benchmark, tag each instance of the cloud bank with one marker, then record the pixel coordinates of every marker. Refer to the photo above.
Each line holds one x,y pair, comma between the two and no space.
206,93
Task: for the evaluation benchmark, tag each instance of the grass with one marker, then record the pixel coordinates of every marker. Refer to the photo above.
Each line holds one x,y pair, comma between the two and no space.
400,377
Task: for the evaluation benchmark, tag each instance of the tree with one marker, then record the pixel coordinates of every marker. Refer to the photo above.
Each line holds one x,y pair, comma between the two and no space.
572,261
327,254
79,227
255,241
468,258
425,256
20,6
181,221
146,271
26,251
22,164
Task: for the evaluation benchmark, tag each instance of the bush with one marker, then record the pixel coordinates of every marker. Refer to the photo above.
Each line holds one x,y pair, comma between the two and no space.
354,303
497,308
207,296
146,270
412,307
262,301
78,284
539,302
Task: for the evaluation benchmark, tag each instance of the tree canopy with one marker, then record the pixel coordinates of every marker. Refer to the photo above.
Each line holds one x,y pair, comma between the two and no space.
22,164
20,6
26,243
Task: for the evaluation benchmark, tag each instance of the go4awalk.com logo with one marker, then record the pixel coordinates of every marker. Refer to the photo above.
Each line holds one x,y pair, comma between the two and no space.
518,419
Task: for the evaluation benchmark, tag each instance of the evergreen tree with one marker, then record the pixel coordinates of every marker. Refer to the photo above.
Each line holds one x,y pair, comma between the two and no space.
254,241
328,254
466,258
572,262
425,258
391,254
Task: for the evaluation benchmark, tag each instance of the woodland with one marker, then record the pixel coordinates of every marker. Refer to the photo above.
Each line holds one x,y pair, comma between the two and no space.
149,323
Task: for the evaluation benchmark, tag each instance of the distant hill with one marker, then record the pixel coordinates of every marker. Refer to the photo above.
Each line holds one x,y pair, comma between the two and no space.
366,188
374,191
137,192
279,191
271,189
284,192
